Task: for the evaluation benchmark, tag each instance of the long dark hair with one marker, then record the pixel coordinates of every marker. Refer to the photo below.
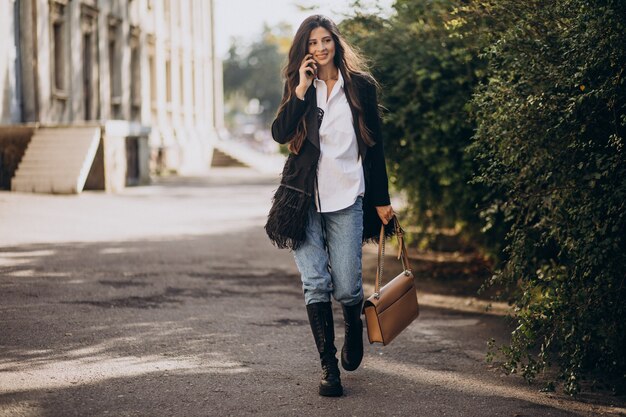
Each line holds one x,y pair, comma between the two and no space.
347,60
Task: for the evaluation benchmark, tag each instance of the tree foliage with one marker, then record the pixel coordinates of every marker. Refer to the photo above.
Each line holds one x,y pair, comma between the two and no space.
427,78
255,71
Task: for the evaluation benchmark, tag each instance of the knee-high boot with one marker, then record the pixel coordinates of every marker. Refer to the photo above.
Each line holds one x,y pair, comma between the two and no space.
321,321
352,350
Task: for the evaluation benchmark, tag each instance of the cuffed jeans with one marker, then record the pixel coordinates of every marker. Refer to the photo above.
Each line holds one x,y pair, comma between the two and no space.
344,231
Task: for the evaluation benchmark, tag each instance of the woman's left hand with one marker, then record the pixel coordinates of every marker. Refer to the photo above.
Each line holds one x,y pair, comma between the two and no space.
385,213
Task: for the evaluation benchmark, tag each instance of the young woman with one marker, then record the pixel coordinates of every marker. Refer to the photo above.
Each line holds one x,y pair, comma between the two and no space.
333,194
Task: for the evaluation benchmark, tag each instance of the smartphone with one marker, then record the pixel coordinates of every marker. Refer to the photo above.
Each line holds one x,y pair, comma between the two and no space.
314,69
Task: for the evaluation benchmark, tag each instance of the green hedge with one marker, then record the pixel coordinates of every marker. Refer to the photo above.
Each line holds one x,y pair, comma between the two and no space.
550,144
508,118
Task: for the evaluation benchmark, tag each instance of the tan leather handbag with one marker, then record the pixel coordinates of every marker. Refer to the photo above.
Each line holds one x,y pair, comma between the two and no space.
393,307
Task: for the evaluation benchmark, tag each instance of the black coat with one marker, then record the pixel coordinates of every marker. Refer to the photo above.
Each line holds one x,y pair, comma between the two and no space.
288,218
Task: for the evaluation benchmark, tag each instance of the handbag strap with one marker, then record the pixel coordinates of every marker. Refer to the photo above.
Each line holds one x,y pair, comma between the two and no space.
402,253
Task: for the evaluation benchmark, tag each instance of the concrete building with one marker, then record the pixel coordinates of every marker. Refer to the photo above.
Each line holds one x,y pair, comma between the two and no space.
98,94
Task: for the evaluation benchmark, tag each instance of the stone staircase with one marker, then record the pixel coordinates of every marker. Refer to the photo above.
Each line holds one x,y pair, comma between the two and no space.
57,160
241,154
221,159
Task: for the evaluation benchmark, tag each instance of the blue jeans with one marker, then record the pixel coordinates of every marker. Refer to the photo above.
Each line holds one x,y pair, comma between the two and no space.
338,271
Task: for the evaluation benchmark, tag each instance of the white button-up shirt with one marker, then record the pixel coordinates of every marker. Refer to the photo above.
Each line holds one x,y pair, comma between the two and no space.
340,173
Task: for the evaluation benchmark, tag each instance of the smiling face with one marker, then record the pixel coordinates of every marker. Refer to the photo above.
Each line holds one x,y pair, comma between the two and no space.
322,46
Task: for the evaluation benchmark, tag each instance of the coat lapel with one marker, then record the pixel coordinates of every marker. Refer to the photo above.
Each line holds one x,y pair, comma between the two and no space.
359,140
362,146
312,127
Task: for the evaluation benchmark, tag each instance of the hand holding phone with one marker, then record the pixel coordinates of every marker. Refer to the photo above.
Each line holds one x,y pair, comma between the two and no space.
308,71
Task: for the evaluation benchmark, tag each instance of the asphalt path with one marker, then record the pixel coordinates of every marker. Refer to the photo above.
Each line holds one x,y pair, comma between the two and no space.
168,300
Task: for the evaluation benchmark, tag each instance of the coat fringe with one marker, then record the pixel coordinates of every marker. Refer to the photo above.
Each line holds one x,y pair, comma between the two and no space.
288,218
372,235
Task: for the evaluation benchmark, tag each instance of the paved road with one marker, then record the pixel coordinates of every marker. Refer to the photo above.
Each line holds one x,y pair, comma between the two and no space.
168,300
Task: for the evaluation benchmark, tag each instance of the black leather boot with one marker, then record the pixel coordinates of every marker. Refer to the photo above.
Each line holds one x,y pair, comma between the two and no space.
352,351
321,321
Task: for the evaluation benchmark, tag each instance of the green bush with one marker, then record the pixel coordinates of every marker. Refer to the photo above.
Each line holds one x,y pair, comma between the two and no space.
550,146
508,119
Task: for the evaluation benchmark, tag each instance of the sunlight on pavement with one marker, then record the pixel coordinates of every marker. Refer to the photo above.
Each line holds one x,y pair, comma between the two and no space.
468,384
116,251
467,304
28,273
89,366
9,259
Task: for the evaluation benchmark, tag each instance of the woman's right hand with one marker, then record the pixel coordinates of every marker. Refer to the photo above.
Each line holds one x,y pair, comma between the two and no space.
307,73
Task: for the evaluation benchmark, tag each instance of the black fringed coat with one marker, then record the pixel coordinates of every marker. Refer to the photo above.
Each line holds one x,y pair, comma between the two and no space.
288,218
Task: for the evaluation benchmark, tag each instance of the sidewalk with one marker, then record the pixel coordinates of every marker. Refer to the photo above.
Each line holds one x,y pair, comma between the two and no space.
169,300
